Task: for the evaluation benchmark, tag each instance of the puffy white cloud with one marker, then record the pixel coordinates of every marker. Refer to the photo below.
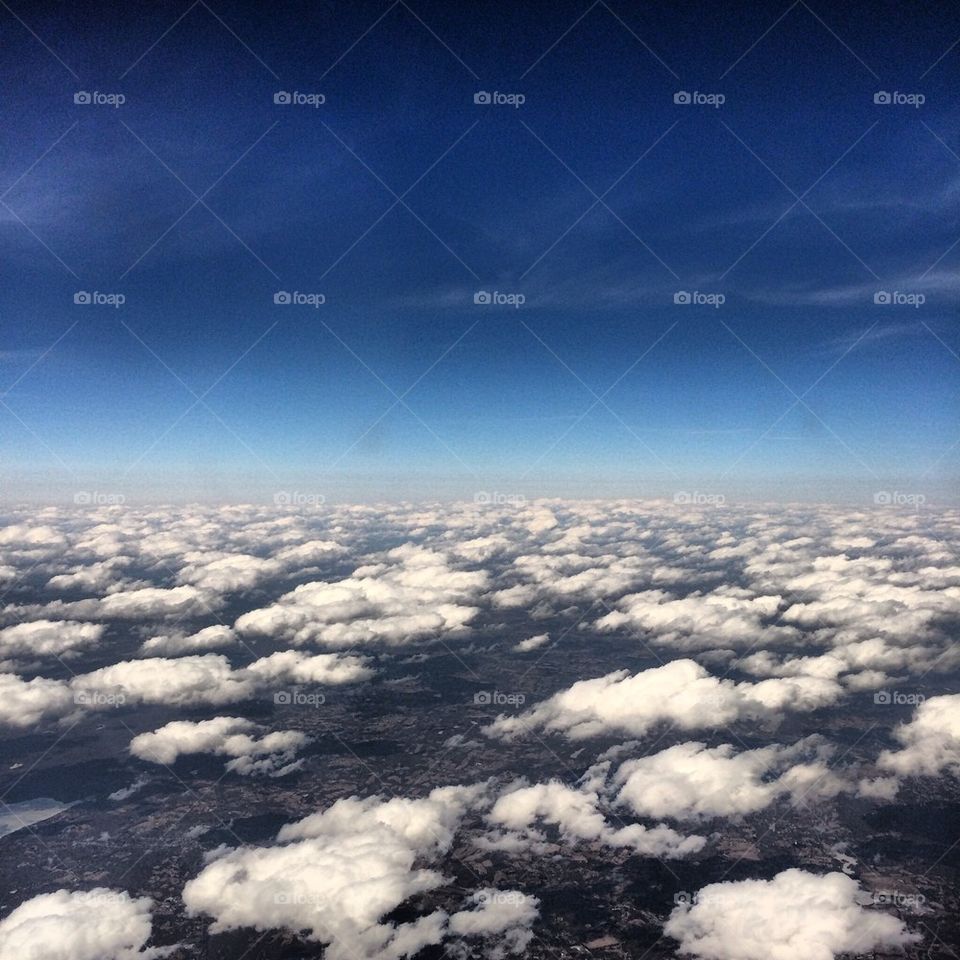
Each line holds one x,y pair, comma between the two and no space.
479,549
31,541
796,914
931,740
209,638
692,781
294,666
129,604
860,664
308,554
838,599
98,924
413,594
252,749
532,643
48,638
878,788
152,602
573,576
681,693
542,519
210,679
226,572
506,915
576,814
124,793
337,873
725,617
183,681
26,703
93,576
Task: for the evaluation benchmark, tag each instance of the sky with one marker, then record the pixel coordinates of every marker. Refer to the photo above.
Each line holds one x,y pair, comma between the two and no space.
782,202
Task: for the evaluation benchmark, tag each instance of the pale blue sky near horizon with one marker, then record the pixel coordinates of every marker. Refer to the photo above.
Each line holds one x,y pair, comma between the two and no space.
757,299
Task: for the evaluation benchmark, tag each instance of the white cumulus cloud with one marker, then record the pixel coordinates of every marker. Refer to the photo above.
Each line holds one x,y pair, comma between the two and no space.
251,748
98,924
692,781
795,915
337,873
682,693
931,740
576,814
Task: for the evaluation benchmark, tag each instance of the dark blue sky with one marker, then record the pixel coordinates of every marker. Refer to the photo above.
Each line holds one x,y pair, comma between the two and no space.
597,200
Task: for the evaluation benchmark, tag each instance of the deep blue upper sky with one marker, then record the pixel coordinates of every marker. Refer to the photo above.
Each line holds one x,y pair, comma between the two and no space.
598,199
